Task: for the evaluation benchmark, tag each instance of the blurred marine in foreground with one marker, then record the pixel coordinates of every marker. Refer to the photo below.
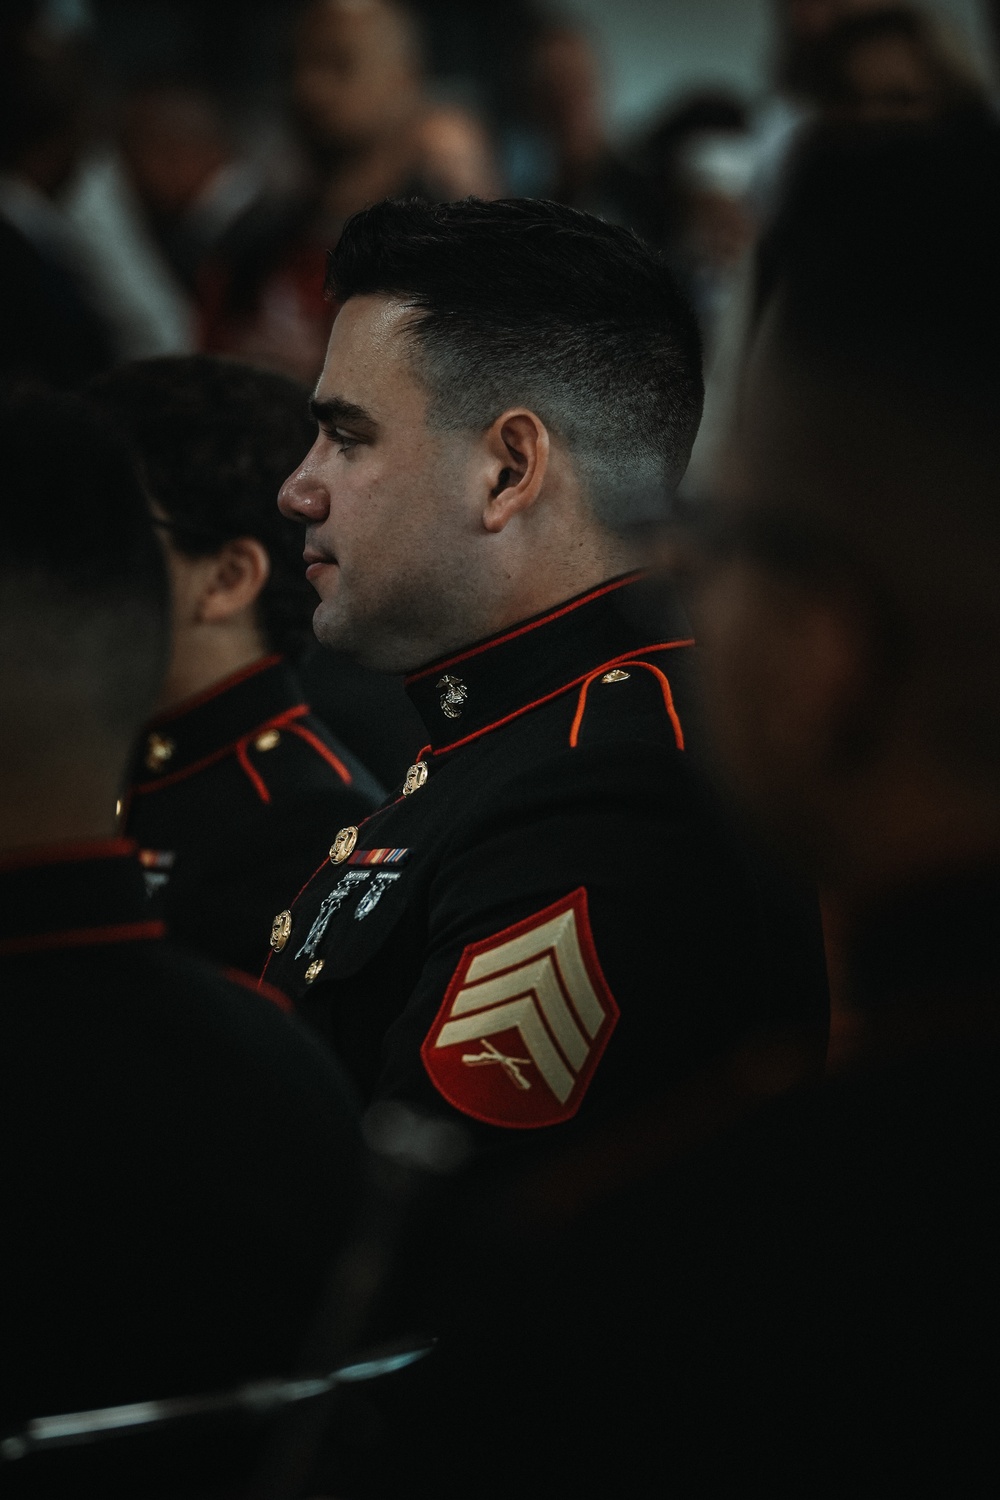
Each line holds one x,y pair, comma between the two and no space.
179,1160
742,1293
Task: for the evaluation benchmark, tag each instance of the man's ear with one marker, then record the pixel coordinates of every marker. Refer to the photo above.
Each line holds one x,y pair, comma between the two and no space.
234,582
518,461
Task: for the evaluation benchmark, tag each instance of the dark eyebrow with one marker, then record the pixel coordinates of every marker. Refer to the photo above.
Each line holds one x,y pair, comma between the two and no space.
333,410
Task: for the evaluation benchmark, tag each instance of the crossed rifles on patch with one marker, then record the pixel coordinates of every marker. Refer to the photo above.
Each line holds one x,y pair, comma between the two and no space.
511,1065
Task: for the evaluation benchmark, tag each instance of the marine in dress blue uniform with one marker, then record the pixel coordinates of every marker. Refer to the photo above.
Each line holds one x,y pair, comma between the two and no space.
551,917
232,797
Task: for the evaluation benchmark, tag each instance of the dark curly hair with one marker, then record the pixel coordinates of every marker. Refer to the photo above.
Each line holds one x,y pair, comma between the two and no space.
215,440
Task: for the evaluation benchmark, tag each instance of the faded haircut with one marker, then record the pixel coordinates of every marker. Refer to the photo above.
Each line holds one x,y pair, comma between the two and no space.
522,302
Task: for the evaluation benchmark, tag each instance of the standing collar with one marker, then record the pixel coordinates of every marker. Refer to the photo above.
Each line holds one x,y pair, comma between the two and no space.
470,692
203,729
73,895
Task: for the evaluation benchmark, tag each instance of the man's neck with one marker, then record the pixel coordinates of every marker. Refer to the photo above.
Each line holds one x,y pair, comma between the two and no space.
205,658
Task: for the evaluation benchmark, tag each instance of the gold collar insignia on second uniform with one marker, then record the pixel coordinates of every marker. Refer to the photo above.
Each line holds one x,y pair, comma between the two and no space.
159,751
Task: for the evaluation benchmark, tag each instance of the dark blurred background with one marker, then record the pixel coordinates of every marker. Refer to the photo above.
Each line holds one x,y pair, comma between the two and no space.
172,171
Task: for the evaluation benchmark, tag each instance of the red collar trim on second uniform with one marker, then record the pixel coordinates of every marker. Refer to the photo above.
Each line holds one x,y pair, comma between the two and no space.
82,937
78,894
72,851
223,686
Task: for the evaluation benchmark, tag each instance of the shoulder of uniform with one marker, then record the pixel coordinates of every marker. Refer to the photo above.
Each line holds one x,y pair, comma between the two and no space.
611,697
314,746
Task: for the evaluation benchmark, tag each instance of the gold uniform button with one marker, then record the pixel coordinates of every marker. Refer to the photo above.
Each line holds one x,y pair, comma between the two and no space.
313,970
281,930
343,845
159,750
267,740
415,778
616,676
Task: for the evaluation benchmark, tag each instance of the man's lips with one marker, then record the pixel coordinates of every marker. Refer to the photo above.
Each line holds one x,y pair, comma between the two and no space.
316,562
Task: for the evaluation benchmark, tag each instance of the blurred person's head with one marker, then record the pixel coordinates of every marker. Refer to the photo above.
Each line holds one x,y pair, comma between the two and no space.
802,27
44,112
891,64
84,619
511,389
174,144
699,159
567,94
849,608
214,441
454,154
357,73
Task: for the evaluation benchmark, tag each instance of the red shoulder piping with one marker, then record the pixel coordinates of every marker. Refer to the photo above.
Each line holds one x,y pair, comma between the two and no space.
628,656
279,721
498,640
323,750
668,702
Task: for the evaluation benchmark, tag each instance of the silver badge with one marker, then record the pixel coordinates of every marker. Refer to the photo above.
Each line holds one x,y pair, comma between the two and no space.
374,894
331,904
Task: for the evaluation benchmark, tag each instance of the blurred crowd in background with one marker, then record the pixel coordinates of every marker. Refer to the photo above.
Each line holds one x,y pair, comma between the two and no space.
172,175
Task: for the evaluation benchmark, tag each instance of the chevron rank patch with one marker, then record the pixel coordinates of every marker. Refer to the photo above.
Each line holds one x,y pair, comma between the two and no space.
527,1015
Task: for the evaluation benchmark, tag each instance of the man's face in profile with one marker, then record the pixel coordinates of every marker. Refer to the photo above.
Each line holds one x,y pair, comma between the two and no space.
385,498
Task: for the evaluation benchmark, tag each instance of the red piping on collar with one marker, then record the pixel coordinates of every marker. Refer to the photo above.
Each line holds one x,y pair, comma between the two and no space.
627,656
536,624
71,852
278,721
82,937
185,707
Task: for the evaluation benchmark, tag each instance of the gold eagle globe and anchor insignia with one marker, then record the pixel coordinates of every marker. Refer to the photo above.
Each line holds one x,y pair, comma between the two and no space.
415,778
343,845
281,930
453,695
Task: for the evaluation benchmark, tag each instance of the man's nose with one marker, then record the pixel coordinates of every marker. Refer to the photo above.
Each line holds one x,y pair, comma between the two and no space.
303,498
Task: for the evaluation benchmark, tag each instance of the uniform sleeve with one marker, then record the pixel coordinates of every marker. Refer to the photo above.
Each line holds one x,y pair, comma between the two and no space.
595,938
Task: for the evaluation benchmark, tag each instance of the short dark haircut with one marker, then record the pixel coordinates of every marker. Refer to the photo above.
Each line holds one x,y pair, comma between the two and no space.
524,302
215,441
883,312
84,602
